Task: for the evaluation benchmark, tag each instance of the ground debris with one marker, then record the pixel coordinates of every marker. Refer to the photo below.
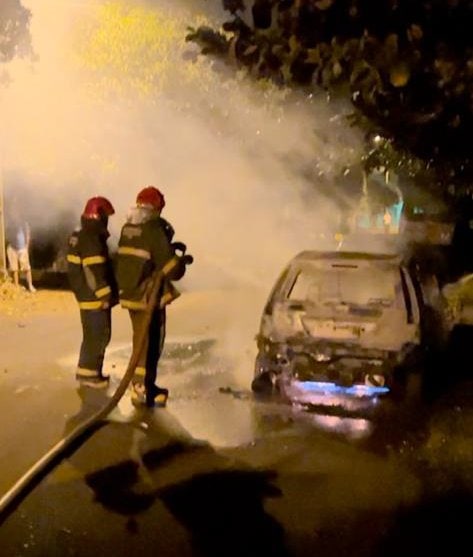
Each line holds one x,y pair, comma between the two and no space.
9,292
18,302
240,394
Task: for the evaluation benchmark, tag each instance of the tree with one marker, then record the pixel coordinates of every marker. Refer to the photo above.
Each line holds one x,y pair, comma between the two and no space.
129,48
15,39
406,65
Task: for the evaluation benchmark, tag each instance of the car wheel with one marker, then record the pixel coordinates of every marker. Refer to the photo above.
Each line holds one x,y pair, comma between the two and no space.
264,383
405,384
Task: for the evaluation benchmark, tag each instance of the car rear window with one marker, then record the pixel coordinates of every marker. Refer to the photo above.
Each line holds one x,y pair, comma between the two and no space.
350,284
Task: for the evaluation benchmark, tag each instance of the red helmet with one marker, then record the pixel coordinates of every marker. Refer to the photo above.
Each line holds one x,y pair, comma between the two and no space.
98,207
151,196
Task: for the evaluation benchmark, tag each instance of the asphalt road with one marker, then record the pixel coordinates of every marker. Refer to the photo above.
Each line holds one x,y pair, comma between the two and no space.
220,473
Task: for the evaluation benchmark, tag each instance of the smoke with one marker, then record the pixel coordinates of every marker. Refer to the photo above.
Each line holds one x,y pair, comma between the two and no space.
238,164
242,166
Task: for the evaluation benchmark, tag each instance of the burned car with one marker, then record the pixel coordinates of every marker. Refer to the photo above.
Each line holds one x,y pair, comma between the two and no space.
341,319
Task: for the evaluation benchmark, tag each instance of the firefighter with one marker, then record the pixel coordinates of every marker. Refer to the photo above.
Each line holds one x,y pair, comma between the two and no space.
146,245
92,281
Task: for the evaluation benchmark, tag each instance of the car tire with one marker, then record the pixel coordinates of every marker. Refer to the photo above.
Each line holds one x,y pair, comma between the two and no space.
405,384
264,384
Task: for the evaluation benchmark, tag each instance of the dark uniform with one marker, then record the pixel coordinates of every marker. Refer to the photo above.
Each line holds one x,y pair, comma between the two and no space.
145,245
92,281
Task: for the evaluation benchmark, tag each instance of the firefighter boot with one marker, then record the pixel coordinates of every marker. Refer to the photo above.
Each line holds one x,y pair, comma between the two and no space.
156,397
138,394
91,378
101,382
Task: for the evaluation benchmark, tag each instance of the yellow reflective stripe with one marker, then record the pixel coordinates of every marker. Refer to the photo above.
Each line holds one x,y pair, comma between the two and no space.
83,372
170,265
140,371
130,304
90,305
137,252
103,291
168,298
93,260
74,259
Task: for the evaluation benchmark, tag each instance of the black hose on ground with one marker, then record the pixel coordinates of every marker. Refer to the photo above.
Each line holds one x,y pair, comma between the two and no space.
22,487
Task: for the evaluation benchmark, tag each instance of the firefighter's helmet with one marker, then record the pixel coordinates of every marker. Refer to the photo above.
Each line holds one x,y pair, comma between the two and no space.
151,196
97,208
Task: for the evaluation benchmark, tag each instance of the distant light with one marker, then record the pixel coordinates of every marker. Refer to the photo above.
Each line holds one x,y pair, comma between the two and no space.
377,139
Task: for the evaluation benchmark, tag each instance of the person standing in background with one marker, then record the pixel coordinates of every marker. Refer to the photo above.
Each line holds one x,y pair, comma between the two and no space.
92,281
18,239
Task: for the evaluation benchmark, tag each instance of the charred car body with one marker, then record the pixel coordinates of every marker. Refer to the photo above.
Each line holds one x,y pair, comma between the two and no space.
347,319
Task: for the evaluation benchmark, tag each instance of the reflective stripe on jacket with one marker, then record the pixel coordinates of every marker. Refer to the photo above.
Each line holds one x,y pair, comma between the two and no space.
89,267
145,246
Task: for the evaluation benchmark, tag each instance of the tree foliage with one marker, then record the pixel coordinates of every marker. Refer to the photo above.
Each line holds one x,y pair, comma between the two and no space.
15,38
407,66
138,51
130,47
134,49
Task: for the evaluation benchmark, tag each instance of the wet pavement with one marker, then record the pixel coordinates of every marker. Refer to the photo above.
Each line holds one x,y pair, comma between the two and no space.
220,473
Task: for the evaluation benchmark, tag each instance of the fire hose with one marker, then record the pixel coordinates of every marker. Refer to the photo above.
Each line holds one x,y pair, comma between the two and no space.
55,454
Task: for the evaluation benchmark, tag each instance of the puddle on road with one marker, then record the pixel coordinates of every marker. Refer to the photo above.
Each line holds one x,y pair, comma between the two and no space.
178,353
203,400
194,373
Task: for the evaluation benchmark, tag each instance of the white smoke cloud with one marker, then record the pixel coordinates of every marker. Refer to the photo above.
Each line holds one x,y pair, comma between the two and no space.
235,174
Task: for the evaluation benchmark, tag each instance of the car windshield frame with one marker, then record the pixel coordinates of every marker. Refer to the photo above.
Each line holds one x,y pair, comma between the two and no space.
340,269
